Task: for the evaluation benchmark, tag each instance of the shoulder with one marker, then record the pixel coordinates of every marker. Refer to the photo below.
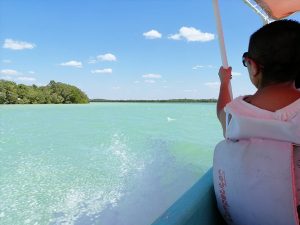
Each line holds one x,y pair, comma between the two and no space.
239,105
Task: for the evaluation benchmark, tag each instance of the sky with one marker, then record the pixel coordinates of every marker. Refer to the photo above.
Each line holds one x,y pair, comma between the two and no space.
125,49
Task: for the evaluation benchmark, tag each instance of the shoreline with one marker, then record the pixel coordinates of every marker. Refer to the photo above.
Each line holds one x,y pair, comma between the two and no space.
155,101
123,101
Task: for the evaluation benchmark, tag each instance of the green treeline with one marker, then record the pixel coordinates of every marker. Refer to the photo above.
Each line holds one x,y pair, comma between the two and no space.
185,100
53,93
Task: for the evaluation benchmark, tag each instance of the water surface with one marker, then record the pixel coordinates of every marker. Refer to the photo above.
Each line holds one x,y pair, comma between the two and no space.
102,163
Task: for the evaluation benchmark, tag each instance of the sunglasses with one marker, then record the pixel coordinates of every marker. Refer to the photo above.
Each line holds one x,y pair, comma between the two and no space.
245,59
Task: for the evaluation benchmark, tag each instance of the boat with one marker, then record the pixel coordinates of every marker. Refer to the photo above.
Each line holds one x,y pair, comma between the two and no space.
197,206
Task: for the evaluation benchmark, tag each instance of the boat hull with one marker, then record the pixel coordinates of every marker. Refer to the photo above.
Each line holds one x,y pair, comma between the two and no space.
197,206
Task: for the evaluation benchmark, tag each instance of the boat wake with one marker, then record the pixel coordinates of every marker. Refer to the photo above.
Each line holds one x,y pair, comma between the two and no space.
149,192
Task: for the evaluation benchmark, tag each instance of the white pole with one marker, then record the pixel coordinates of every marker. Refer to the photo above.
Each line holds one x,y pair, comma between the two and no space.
221,39
220,34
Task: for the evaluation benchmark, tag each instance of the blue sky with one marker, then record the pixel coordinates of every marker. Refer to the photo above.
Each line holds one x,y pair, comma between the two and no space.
125,49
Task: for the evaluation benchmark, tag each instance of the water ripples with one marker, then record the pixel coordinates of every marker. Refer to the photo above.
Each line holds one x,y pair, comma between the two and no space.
39,189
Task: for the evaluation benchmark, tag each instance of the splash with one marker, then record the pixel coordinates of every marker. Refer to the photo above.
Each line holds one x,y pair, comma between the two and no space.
84,206
169,119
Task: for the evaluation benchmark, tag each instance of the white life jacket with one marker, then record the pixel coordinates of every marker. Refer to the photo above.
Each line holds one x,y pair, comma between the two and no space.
256,169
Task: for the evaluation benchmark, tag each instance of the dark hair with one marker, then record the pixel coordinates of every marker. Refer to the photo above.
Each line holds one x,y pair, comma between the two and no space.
276,48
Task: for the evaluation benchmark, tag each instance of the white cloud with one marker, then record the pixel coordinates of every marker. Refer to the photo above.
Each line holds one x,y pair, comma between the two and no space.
107,57
150,81
116,88
215,84
197,67
106,70
9,72
202,66
26,78
6,78
17,45
192,34
236,74
72,63
152,34
175,37
136,82
152,76
6,61
31,72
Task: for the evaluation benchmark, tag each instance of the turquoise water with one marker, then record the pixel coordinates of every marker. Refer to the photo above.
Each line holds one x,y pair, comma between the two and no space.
102,163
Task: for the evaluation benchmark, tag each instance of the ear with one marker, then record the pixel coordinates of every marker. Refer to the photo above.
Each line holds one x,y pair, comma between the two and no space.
254,73
254,69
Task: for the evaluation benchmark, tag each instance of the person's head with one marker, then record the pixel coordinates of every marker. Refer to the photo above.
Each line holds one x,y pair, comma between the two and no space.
274,53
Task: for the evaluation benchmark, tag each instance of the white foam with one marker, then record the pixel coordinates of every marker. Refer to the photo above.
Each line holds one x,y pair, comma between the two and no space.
170,119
